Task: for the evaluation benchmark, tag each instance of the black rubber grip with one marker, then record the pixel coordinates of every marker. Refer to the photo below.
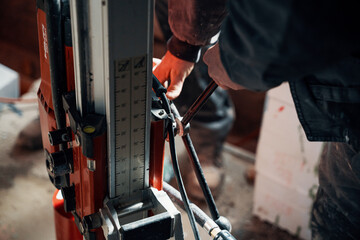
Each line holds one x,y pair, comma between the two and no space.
158,87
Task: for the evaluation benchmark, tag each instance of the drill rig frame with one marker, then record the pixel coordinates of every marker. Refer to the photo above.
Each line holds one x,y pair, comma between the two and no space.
104,129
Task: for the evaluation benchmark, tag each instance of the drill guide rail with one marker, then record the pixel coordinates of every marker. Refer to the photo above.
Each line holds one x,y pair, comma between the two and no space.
112,80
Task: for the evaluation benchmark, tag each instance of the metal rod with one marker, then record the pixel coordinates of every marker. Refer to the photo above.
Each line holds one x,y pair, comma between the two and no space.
200,177
199,102
211,227
201,218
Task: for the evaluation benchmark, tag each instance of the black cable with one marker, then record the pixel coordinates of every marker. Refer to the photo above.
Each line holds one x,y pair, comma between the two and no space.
180,182
195,107
198,170
160,92
57,60
192,153
176,168
200,177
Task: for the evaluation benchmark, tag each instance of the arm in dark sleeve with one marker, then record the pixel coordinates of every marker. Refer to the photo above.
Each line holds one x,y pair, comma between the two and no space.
263,43
193,23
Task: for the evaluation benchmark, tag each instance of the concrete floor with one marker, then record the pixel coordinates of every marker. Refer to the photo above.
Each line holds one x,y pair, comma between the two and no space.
26,192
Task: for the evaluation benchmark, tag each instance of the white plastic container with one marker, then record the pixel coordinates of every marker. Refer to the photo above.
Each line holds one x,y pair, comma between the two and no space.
286,166
9,82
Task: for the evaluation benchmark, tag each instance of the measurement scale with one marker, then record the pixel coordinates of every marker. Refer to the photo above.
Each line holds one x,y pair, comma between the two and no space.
130,125
119,63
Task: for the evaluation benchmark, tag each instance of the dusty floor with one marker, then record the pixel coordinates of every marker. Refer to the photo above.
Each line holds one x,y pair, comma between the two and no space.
26,192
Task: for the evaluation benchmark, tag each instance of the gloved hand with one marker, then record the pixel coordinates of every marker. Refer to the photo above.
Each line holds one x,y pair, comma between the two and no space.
216,69
171,72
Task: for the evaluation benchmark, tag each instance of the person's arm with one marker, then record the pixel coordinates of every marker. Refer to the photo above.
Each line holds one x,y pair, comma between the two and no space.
193,23
263,44
216,69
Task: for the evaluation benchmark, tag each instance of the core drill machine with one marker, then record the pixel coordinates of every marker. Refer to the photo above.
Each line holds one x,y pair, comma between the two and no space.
104,120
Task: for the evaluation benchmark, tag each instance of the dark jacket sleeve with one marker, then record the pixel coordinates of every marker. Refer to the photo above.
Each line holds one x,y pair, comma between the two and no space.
193,23
263,43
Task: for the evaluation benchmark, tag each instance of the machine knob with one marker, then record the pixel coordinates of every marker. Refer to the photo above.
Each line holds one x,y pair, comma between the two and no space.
59,163
60,136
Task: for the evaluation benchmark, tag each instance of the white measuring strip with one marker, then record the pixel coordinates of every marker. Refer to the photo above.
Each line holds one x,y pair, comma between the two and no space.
130,125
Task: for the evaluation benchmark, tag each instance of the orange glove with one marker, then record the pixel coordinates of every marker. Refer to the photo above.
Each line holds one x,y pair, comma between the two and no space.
171,72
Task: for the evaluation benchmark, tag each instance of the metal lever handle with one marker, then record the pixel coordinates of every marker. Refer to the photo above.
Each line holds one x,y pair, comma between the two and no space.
189,115
198,104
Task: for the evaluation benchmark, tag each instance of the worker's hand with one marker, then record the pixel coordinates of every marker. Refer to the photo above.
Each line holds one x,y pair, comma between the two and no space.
216,69
171,72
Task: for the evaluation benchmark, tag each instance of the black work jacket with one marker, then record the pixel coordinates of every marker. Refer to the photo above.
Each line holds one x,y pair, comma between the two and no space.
314,45
328,102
